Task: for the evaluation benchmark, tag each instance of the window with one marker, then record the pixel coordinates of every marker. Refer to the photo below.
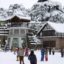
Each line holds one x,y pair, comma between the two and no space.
16,31
11,32
22,31
24,24
49,43
48,33
15,42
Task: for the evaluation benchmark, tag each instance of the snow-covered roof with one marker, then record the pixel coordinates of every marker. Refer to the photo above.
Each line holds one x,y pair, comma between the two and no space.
58,27
41,27
34,40
10,17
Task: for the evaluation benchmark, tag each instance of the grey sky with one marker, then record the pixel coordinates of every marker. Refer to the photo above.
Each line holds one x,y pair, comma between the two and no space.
27,3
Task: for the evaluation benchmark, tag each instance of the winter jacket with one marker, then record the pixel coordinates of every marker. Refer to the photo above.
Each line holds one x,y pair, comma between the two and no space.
32,59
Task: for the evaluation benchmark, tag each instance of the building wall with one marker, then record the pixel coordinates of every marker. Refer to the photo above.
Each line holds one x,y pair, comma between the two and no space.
60,43
57,43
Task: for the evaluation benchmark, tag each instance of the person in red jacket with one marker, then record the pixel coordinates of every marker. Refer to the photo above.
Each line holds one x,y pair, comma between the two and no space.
46,54
26,51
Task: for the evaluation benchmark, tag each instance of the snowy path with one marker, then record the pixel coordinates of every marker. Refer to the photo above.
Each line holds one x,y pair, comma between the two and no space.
10,58
52,59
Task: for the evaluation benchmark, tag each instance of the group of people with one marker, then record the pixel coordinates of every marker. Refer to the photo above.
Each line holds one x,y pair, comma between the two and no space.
51,51
44,54
32,57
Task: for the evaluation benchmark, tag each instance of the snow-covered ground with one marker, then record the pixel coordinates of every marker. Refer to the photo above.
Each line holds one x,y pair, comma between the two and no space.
10,58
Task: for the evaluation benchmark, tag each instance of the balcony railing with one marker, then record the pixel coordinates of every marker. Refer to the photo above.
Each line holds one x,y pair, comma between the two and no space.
4,31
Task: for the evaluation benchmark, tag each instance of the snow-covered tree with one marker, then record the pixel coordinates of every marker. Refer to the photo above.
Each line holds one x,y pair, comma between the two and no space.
47,11
14,9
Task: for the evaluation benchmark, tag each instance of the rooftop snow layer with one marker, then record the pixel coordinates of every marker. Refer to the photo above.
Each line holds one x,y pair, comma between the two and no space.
58,27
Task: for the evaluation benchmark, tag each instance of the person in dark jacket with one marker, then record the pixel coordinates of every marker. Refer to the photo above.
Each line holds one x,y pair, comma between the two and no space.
62,52
42,54
53,51
32,58
50,50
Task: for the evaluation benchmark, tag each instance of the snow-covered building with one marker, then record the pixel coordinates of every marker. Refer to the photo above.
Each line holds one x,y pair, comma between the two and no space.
15,31
14,27
18,29
52,34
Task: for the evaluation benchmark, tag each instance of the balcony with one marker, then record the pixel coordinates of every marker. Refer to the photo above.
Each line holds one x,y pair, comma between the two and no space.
4,31
17,25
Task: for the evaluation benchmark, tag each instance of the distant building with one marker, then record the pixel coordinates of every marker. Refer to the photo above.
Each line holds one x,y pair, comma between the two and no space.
52,34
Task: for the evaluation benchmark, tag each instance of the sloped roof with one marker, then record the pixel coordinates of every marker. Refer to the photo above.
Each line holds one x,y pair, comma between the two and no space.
41,28
10,17
58,27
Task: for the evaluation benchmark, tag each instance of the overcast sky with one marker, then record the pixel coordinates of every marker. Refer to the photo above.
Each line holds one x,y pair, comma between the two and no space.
27,3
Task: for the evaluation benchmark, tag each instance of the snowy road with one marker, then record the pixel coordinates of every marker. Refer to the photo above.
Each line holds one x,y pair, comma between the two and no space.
10,58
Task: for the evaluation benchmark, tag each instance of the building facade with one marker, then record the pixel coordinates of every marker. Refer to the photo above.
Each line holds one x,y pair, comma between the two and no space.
14,33
52,35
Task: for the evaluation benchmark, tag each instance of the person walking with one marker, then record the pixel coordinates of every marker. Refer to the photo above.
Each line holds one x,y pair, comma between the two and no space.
21,55
46,54
42,54
50,50
62,52
53,51
17,54
32,58
26,51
